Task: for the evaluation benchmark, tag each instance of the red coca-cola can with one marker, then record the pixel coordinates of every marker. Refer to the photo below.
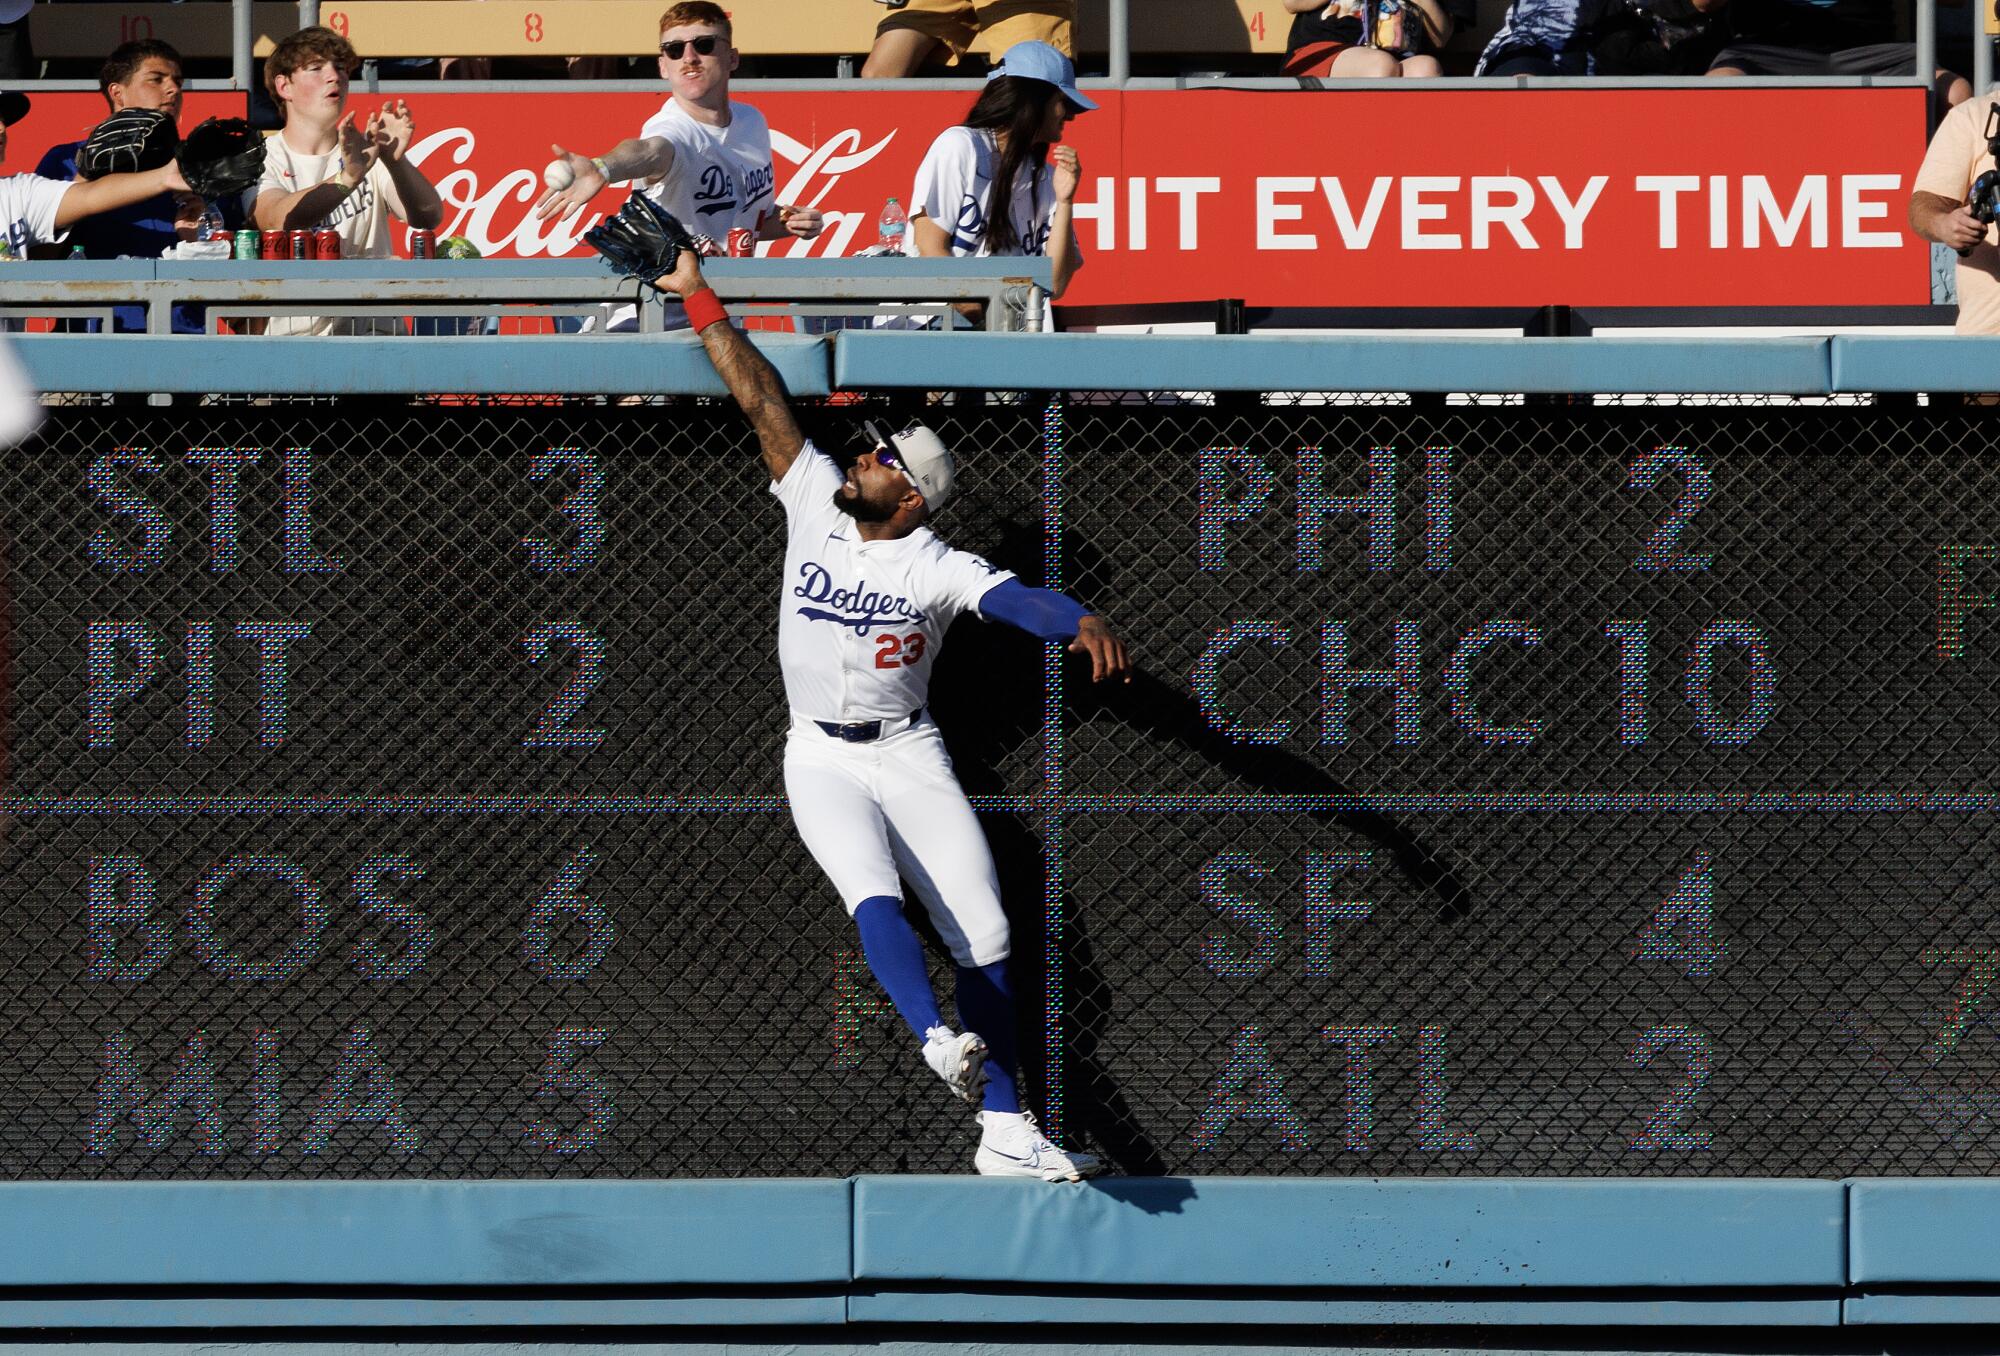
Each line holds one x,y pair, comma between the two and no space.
277,245
302,245
326,244
742,242
423,244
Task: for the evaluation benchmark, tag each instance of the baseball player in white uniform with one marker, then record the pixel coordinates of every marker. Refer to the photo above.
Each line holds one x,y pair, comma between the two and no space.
866,597
702,157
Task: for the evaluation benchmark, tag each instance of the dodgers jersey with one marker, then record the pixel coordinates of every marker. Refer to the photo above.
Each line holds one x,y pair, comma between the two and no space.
722,176
28,204
860,622
722,179
955,179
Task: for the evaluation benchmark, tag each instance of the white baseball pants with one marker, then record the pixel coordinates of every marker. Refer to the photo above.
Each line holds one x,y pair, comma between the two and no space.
891,807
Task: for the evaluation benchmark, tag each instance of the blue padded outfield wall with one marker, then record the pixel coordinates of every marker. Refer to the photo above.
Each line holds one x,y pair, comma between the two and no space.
1523,802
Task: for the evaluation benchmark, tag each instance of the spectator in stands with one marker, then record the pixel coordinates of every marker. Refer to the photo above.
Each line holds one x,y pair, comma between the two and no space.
39,211
1823,37
702,157
1941,208
920,32
576,67
1657,37
1541,37
323,170
987,187
144,74
1327,39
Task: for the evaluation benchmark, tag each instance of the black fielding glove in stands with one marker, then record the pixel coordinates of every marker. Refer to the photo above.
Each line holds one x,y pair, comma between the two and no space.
222,157
130,141
642,240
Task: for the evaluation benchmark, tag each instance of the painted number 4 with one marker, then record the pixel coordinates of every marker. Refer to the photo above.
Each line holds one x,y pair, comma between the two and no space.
899,652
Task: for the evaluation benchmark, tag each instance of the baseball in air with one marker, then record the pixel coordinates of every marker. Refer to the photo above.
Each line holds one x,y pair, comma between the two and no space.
558,175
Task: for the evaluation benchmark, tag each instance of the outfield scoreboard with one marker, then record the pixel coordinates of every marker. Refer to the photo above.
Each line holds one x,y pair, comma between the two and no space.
1523,791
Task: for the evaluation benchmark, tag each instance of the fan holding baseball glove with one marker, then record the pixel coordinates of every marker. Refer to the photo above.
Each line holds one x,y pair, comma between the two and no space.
132,157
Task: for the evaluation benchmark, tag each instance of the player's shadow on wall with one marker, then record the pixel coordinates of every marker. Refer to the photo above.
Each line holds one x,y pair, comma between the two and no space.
995,701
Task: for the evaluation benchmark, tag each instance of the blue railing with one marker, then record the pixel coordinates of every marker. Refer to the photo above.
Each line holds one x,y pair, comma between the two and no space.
863,360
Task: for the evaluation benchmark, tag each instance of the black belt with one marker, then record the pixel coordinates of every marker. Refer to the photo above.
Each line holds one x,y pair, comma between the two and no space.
860,731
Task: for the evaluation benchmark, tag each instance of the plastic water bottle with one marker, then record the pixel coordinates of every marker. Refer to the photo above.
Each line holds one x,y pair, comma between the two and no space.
210,227
895,222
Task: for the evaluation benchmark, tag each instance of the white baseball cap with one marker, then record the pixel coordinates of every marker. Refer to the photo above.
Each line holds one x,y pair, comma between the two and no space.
922,456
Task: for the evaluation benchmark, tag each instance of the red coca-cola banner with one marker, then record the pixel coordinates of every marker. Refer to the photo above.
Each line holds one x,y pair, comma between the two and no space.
1367,197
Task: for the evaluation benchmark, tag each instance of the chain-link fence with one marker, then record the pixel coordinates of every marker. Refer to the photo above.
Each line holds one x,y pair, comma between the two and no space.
396,790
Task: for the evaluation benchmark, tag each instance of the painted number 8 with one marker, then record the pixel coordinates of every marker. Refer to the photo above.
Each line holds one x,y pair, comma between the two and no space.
531,28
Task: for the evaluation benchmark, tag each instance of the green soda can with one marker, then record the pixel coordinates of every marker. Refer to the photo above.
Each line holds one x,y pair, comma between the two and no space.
249,243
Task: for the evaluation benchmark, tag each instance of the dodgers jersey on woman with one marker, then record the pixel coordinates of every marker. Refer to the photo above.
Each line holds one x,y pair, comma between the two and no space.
859,625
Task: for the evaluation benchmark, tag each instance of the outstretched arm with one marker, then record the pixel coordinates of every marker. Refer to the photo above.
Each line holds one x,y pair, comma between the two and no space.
1057,616
632,158
88,197
747,373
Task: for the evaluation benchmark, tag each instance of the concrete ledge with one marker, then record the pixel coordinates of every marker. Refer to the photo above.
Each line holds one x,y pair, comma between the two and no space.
1887,363
1039,1308
1884,1310
1401,1233
666,364
753,1307
1118,362
1932,1231
421,1255
424,1233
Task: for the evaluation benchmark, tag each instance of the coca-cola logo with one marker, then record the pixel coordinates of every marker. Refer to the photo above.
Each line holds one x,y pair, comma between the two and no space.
499,218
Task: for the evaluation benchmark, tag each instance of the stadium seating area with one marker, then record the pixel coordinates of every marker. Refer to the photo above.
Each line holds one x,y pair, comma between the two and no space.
1243,36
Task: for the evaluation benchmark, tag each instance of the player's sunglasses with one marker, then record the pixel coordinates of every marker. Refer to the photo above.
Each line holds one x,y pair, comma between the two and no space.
884,448
704,46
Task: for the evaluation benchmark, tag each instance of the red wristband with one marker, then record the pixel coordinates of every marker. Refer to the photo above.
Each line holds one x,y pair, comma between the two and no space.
704,308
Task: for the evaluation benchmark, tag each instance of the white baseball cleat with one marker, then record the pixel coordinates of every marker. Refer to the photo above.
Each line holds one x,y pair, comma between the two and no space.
959,1060
1012,1145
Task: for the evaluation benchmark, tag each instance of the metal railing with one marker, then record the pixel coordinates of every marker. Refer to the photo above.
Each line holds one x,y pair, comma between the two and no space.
819,293
1119,45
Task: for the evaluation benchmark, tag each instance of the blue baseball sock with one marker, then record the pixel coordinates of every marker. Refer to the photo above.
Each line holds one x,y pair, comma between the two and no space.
897,959
986,1005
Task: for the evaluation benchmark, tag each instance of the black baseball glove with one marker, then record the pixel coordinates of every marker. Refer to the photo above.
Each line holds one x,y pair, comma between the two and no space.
642,240
130,140
222,157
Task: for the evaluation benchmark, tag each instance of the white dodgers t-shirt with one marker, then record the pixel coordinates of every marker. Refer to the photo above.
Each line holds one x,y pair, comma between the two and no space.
722,176
361,218
860,622
955,180
28,205
722,179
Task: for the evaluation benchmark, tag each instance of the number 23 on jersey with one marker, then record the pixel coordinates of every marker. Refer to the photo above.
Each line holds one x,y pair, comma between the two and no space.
898,652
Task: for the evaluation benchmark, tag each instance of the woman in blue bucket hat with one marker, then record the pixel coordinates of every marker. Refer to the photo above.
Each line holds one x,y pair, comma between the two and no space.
991,185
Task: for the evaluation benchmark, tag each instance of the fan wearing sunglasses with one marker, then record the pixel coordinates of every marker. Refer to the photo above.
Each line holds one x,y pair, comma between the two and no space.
867,595
703,157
